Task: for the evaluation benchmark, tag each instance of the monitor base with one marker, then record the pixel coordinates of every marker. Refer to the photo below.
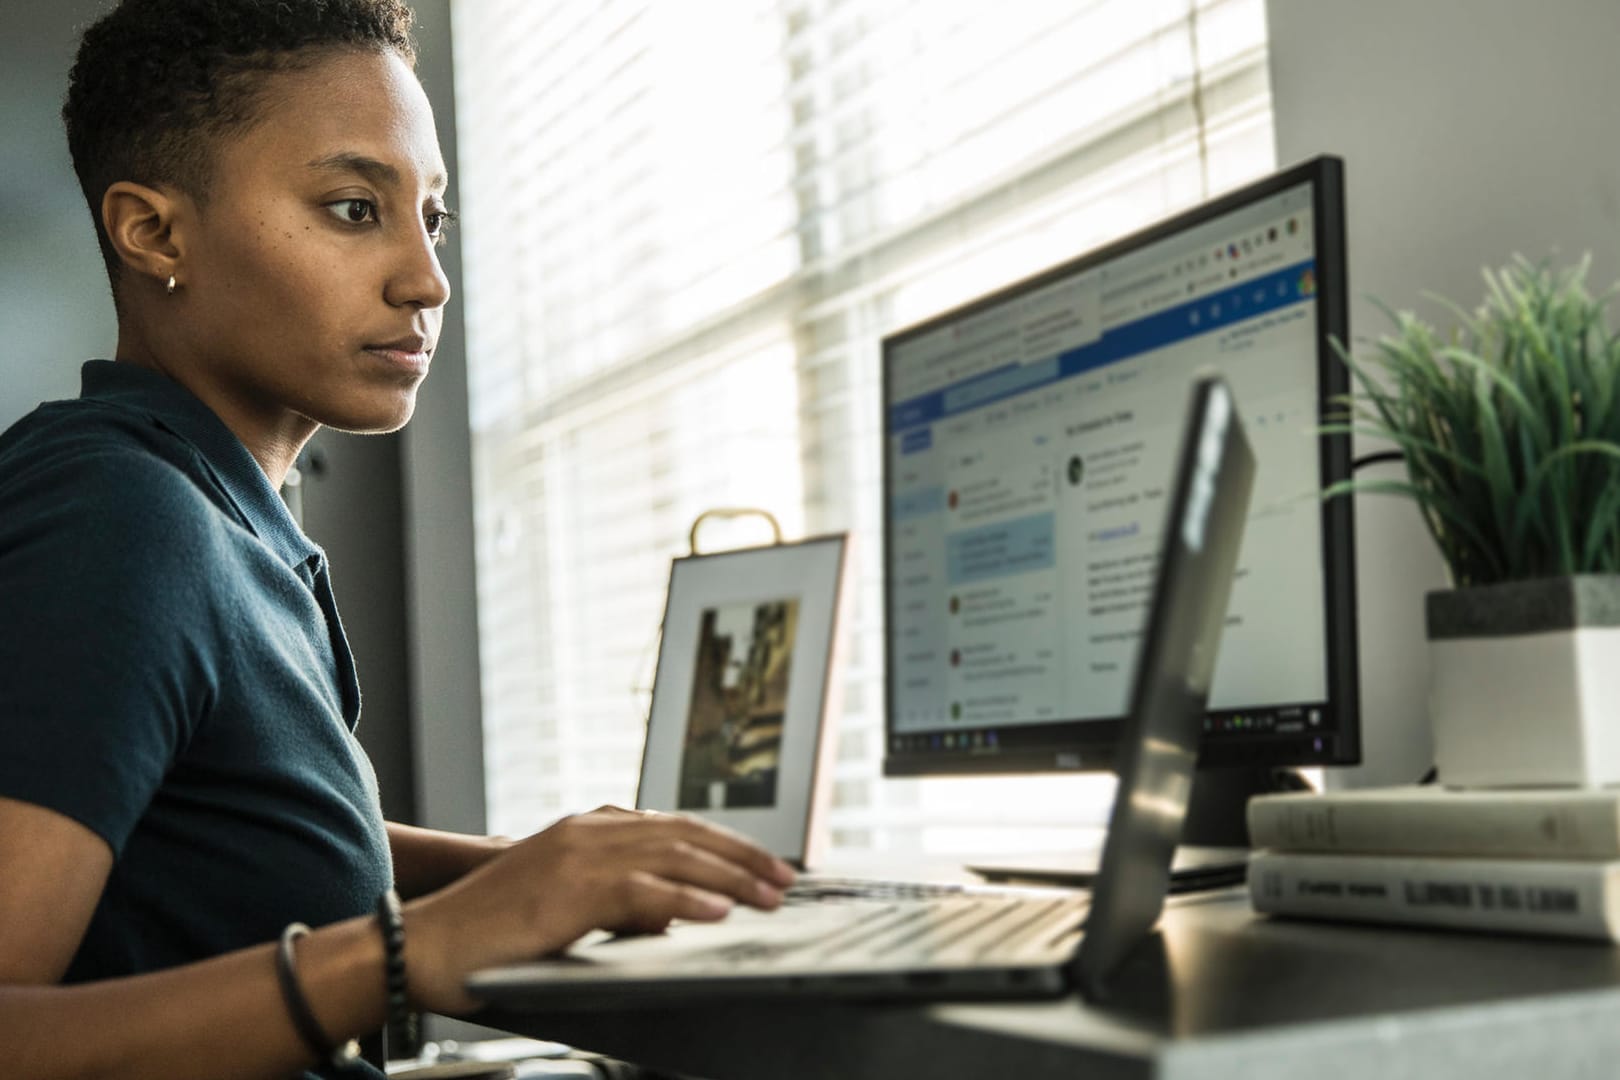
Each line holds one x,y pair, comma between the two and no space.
1217,813
1214,848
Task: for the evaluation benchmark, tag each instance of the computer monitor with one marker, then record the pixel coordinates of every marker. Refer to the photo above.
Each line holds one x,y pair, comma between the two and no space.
1028,445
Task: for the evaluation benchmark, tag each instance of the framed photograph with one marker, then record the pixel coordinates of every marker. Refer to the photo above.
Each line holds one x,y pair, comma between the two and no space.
739,723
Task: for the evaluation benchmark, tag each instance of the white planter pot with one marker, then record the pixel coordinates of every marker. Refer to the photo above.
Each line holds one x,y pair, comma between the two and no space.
1524,684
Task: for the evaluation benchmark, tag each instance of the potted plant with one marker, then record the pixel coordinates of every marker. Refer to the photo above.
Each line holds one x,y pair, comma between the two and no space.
1510,431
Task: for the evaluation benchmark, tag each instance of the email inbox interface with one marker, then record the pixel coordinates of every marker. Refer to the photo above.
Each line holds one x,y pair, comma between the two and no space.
1031,446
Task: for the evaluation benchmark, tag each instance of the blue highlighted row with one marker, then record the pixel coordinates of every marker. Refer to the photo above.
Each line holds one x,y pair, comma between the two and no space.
1278,289
999,550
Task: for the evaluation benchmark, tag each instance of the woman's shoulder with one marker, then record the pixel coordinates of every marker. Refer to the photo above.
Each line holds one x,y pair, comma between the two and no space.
124,444
103,474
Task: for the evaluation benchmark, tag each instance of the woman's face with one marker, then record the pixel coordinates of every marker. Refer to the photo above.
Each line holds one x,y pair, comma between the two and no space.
311,291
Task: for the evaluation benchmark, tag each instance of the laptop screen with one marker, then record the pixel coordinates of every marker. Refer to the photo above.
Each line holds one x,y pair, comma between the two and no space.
1203,532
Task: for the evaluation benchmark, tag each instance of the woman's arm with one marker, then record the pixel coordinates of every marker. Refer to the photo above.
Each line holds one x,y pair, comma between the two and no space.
52,871
428,859
226,1016
221,1017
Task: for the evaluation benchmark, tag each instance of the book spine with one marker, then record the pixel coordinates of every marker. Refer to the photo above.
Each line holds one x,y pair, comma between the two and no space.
1438,826
1566,899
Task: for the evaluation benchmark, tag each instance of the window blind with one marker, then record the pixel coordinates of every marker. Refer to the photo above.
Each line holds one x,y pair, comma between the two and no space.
687,230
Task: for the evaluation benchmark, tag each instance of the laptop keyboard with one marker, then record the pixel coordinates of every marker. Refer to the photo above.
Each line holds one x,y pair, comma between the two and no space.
961,931
952,926
817,889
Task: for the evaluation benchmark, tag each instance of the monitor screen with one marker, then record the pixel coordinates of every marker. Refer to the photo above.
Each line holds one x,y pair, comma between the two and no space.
1029,440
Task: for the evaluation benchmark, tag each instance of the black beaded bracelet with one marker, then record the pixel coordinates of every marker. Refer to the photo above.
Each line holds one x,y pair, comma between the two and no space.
401,1020
303,1017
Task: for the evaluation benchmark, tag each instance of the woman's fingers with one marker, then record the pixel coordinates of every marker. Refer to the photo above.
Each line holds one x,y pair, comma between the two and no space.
610,810
682,848
726,845
655,901
690,863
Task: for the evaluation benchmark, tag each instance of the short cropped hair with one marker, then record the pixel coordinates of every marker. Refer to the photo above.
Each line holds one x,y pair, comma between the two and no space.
156,83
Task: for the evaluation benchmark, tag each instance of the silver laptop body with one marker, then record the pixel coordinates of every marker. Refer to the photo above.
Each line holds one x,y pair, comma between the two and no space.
979,941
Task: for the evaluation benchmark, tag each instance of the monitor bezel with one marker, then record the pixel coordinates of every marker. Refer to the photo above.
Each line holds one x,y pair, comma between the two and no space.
1076,745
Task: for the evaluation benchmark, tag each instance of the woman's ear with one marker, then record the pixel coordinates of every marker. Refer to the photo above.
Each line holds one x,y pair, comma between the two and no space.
140,223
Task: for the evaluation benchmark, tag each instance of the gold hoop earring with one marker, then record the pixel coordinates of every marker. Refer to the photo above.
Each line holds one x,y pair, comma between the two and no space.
172,285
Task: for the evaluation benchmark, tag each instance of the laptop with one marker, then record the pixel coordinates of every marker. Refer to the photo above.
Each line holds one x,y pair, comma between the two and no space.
979,942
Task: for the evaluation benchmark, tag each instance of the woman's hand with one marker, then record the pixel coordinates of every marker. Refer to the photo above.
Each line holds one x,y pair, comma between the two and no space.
611,869
427,859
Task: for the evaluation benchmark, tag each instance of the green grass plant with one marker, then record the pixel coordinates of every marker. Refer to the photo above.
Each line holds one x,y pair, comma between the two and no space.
1510,429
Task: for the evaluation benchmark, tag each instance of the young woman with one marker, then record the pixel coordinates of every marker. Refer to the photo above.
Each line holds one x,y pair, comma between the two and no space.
180,787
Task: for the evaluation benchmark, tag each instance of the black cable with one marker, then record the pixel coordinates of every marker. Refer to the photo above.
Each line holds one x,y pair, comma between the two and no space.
1376,459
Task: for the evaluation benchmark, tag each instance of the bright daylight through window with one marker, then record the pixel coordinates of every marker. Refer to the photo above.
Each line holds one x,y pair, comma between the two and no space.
686,236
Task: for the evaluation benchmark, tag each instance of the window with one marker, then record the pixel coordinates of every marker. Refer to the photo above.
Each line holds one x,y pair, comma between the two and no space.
685,238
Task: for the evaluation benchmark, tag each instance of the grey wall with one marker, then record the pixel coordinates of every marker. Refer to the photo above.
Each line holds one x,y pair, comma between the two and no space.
352,504
55,311
446,717
1471,130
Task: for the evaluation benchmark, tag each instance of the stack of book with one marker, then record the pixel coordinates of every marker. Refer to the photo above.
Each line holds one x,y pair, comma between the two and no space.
1541,861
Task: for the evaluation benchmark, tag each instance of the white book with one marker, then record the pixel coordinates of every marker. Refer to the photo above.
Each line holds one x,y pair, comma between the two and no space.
1565,898
1539,823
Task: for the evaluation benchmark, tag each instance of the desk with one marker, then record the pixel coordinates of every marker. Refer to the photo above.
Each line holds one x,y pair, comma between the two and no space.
1222,993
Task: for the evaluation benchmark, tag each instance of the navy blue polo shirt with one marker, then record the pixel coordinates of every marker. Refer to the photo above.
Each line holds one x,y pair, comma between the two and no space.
173,675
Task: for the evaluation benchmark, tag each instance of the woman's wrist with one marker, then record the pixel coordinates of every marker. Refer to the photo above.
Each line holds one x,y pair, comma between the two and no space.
341,974
338,1051
431,981
401,1023
426,860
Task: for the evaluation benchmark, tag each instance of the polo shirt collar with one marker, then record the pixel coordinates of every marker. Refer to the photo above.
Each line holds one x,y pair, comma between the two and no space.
177,410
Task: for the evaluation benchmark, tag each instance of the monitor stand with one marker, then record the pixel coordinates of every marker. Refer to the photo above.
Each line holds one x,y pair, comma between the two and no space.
1214,848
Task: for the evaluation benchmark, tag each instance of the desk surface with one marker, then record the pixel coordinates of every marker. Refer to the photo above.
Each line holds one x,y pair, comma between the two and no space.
1220,992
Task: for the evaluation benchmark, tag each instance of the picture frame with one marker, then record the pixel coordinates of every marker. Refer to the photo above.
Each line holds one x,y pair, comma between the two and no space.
742,718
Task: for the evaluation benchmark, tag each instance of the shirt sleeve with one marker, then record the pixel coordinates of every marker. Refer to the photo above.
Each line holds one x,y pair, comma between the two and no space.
105,666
